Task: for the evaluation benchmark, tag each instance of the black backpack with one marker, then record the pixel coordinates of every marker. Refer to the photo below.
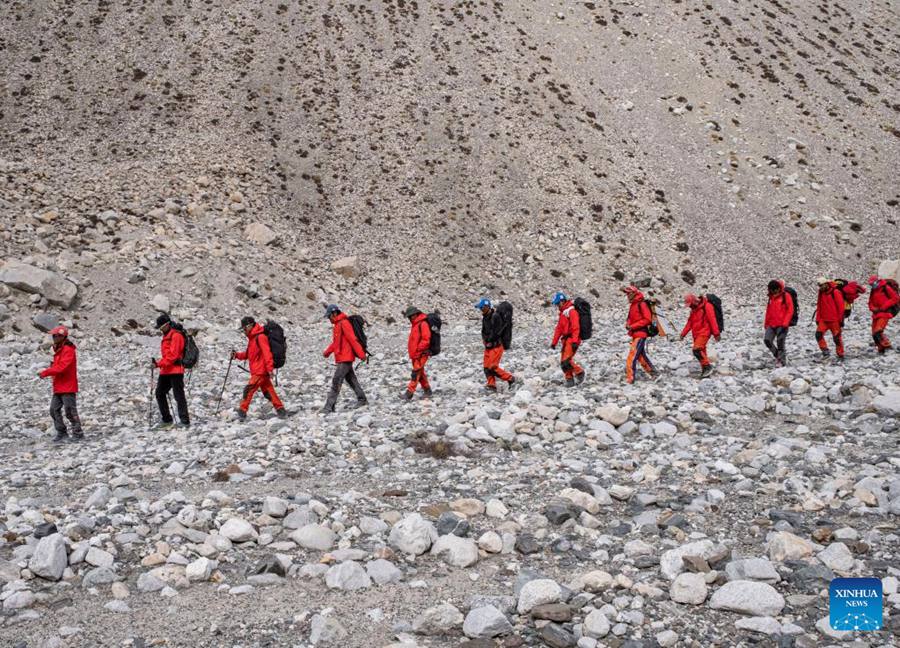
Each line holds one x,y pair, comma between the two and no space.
433,320
359,324
796,317
191,354
277,344
717,306
586,323
505,310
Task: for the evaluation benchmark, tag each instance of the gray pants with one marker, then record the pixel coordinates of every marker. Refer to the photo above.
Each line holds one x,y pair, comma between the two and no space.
774,339
66,402
343,372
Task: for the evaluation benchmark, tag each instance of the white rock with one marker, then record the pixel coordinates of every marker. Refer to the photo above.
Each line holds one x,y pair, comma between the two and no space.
49,559
784,545
689,588
346,266
491,542
667,639
456,551
260,234
438,620
748,597
52,286
537,592
614,414
200,570
758,569
314,536
19,600
837,557
383,572
595,625
275,507
160,303
413,535
99,558
764,625
671,563
326,631
238,530
347,576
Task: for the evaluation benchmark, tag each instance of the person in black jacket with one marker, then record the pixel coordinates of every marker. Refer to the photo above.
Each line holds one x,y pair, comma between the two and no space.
492,325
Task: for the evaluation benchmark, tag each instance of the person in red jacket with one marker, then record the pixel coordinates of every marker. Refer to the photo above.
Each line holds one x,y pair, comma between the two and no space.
779,313
568,330
417,345
829,316
851,292
64,371
883,302
639,319
345,348
262,366
702,325
171,374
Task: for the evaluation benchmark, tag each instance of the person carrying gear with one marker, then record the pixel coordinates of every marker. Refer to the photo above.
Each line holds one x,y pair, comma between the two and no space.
492,326
779,312
883,302
702,324
829,316
346,349
417,345
171,374
639,319
64,371
851,291
568,330
262,365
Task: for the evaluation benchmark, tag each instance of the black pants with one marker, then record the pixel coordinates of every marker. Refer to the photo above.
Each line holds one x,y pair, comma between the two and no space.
175,384
774,339
343,372
65,402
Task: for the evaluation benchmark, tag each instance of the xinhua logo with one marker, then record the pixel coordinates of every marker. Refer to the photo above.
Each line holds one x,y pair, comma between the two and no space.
855,604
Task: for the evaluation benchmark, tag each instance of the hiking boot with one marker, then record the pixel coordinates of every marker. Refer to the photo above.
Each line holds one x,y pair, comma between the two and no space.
570,382
491,389
282,413
162,425
240,414
427,392
579,378
406,395
513,383
182,424
706,372
61,437
327,410
825,353
77,436
361,403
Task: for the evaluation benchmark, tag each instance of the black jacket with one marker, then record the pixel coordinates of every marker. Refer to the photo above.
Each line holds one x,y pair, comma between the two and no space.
491,329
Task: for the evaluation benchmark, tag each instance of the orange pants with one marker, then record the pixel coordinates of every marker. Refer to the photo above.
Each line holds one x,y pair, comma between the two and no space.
637,353
265,384
879,324
567,361
699,349
492,366
835,329
417,375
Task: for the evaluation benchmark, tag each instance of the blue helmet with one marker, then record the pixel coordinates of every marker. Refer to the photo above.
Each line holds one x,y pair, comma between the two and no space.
331,309
559,298
484,301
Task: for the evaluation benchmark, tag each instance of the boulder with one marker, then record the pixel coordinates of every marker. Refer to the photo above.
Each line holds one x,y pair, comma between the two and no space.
689,588
49,559
413,535
438,620
260,234
748,597
784,545
55,288
314,536
537,592
889,269
160,303
347,576
45,322
346,267
456,551
486,622
238,530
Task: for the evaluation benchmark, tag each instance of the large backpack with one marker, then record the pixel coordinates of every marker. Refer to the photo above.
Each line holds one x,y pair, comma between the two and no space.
892,283
717,307
586,323
277,344
359,324
505,311
191,354
433,320
793,294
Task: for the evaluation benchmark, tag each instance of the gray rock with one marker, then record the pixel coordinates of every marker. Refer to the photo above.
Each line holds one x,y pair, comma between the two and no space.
347,576
413,535
238,530
383,572
55,288
19,600
537,592
326,631
45,322
99,576
757,569
595,625
837,557
748,597
486,622
456,551
49,559
438,620
313,536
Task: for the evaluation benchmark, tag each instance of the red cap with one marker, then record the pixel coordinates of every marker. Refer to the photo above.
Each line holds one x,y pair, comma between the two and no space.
60,330
691,300
872,279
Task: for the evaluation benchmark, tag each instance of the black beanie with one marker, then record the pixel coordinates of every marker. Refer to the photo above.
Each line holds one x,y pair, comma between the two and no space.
246,321
163,320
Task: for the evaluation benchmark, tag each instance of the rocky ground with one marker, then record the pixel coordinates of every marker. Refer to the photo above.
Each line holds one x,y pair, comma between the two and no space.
670,513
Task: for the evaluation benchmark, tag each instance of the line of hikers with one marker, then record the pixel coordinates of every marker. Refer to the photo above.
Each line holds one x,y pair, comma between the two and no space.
266,347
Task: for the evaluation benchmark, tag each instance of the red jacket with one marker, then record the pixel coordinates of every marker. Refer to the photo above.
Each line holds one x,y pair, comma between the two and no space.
830,306
780,309
882,298
419,337
171,349
258,352
702,321
344,345
64,370
569,325
639,317
851,291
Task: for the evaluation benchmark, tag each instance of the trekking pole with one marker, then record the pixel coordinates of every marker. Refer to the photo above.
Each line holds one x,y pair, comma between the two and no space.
150,401
222,393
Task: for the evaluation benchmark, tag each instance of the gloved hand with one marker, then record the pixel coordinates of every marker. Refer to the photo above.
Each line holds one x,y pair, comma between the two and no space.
233,353
153,362
324,354
683,336
553,347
